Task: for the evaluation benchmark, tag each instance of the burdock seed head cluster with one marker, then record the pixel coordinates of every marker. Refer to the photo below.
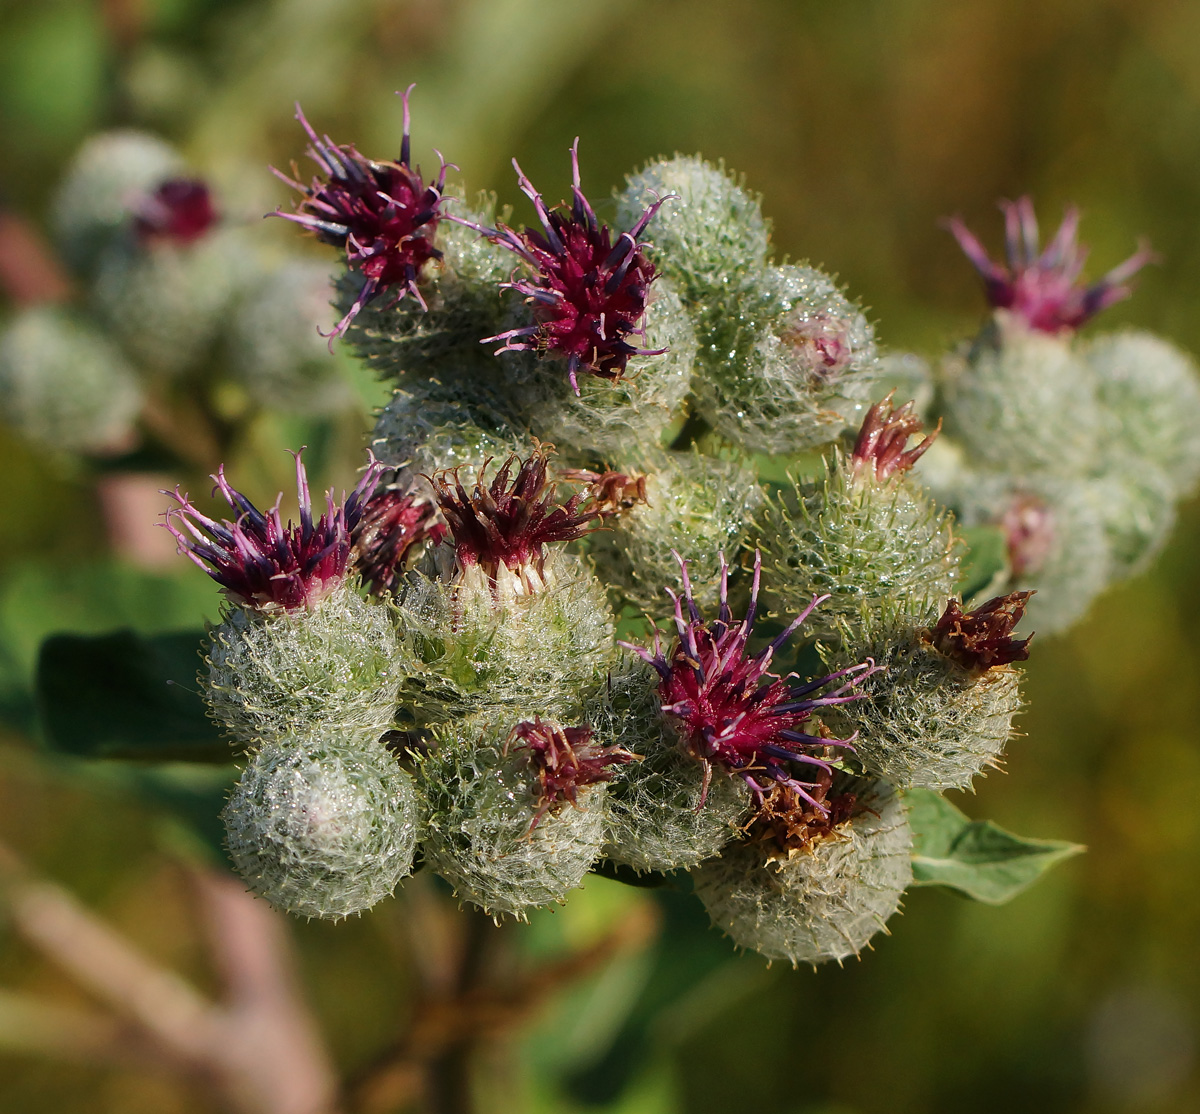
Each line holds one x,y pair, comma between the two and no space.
428,672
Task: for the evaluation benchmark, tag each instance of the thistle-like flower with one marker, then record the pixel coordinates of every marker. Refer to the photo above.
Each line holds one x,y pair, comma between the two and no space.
880,448
982,639
263,564
588,294
1029,531
390,526
382,213
732,711
1043,287
566,761
179,211
509,522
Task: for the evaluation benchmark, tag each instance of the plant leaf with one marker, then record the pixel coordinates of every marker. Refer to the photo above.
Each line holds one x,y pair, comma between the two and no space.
975,857
122,695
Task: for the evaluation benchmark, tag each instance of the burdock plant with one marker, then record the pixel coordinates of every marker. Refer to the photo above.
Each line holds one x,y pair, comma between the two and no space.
586,415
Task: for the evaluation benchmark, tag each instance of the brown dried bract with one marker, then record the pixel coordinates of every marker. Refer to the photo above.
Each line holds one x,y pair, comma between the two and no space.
884,434
609,493
982,639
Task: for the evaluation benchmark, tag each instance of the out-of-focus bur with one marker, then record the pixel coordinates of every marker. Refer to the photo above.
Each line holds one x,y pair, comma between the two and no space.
865,534
65,385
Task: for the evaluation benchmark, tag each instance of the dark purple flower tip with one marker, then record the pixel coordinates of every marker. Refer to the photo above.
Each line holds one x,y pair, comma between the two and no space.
880,448
391,526
180,211
982,639
588,294
732,711
1029,531
381,213
263,564
566,761
1043,288
509,522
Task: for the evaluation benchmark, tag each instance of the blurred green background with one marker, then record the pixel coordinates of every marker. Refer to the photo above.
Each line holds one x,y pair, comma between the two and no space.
862,122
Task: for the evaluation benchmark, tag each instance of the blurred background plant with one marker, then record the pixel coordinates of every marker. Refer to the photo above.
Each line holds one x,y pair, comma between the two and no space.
862,124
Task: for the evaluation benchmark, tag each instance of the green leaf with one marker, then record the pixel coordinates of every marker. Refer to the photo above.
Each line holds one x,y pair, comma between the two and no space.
986,559
975,857
122,695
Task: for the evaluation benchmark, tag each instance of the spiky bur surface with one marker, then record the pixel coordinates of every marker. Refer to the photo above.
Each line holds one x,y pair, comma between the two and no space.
709,239
1136,504
1058,540
323,824
483,796
1022,400
491,649
608,417
791,367
64,384
92,205
463,304
658,815
695,506
336,666
274,348
925,720
435,424
868,545
166,302
817,903
1151,395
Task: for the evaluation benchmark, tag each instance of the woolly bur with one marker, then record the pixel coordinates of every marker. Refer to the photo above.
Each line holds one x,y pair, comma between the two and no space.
516,815
299,649
323,824
940,710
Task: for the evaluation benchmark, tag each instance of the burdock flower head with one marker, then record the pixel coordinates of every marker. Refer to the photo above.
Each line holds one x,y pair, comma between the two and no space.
263,564
506,525
982,639
179,211
382,213
732,712
566,761
588,294
391,525
1043,288
880,449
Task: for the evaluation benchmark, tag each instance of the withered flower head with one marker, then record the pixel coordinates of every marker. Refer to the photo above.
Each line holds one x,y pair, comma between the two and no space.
880,448
588,294
731,710
391,525
610,493
180,211
788,822
257,560
509,522
982,639
382,213
566,761
1043,288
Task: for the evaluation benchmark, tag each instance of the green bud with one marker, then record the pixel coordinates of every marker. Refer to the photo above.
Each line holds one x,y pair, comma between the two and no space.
323,825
